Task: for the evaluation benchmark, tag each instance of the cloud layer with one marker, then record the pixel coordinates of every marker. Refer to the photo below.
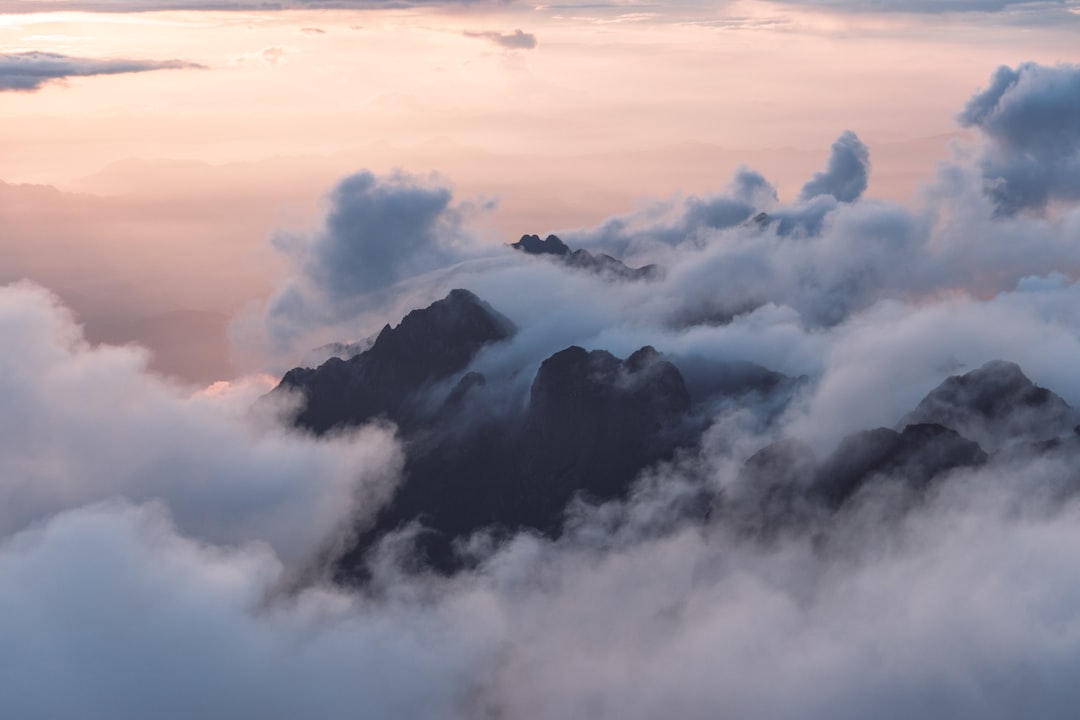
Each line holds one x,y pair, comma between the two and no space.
29,71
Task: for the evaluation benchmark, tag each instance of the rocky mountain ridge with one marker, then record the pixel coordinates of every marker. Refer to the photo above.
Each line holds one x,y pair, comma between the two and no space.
593,422
600,264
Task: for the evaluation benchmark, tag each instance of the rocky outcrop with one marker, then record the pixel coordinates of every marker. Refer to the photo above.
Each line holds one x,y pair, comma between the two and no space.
600,264
593,423
915,457
428,345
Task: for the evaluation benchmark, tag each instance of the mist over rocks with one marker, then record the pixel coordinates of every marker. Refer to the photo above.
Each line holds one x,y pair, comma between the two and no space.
918,454
995,405
991,415
591,425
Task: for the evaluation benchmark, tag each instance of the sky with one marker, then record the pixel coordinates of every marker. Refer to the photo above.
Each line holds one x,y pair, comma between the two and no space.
181,140
196,195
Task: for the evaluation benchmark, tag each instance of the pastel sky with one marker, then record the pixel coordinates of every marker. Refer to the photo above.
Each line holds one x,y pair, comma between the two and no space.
167,147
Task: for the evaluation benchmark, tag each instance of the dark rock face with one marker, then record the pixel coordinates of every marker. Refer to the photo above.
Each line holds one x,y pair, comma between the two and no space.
428,345
995,405
592,424
533,245
783,486
605,266
916,456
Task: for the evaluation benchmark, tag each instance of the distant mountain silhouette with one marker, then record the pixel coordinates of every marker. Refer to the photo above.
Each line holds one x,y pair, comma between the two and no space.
600,264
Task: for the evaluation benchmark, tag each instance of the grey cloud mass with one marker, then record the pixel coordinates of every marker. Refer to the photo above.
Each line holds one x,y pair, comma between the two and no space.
517,40
1030,116
30,71
377,231
847,174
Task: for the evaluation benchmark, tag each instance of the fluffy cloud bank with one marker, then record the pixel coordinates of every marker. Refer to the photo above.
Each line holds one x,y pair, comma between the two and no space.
85,424
29,71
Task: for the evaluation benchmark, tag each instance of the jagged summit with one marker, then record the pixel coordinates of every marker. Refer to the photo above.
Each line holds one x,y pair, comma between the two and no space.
600,264
533,245
426,346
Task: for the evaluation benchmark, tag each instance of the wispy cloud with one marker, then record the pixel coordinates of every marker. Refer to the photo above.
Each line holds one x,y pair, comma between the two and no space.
517,40
29,71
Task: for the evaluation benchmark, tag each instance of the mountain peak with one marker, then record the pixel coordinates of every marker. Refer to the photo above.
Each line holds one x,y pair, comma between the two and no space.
426,346
995,405
533,245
